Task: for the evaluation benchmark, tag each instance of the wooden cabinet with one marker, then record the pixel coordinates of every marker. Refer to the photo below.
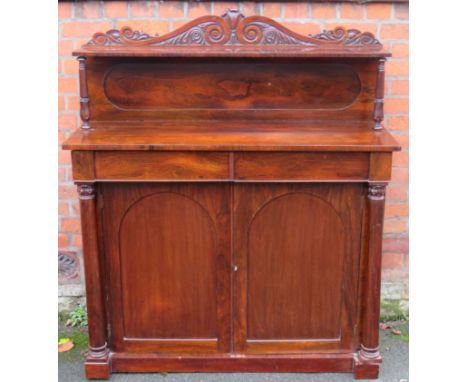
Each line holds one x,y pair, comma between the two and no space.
232,179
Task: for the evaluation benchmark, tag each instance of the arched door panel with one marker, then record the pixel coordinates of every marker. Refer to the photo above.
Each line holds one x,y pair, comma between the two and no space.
168,246
296,254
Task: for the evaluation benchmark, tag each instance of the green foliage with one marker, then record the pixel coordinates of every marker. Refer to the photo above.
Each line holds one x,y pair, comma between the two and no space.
392,311
62,316
78,317
79,336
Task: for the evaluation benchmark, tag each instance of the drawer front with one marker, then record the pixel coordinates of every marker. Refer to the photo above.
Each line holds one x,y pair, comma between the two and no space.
162,166
301,166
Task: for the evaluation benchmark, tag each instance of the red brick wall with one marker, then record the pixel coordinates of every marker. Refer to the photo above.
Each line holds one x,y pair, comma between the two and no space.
389,22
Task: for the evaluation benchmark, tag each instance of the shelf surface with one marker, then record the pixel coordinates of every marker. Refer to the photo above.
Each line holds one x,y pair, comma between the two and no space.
229,51
232,136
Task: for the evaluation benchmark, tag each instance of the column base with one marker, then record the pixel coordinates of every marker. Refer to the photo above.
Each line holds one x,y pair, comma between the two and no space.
366,367
97,364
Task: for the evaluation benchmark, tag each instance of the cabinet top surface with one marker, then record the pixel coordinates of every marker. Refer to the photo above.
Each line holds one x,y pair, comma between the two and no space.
233,35
233,136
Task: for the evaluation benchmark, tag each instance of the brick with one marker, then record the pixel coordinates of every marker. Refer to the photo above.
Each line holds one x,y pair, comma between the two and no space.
84,29
396,210
77,241
401,11
400,50
396,105
62,239
395,226
296,10
403,140
62,135
62,177
272,9
59,67
75,208
78,43
251,8
148,26
400,159
400,175
395,244
65,47
303,28
67,121
323,11
87,9
398,68
400,87
173,25
64,157
61,104
397,123
67,192
64,10
72,225
63,208
397,193
115,9
171,9
142,8
394,32
352,11
198,9
73,103
222,6
379,11
392,260
372,28
397,274
70,66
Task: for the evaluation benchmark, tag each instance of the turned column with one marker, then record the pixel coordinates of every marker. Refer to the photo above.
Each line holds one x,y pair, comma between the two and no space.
84,99
379,95
368,358
97,364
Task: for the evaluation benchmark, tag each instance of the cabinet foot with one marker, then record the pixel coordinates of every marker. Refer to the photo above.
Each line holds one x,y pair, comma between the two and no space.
97,366
365,367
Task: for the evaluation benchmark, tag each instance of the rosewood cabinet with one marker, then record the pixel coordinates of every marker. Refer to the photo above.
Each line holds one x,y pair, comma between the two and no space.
232,179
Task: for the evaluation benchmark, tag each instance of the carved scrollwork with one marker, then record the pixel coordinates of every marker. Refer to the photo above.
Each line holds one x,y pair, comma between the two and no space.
119,37
348,37
233,28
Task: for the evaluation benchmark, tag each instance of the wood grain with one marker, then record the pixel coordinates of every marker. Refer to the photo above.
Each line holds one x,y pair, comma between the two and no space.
301,166
314,363
168,247
230,89
233,135
167,166
231,177
202,85
281,251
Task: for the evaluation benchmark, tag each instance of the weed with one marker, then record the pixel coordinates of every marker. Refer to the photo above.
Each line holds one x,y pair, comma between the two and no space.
78,317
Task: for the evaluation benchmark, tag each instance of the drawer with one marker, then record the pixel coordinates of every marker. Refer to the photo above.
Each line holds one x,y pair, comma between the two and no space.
301,166
162,165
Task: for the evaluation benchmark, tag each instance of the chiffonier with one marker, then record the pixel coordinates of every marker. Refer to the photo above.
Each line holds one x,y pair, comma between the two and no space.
231,177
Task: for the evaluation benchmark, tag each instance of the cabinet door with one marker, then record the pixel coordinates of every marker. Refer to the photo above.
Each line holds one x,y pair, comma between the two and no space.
168,259
297,260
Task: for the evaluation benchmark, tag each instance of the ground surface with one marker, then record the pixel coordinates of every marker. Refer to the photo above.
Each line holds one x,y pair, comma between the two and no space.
394,349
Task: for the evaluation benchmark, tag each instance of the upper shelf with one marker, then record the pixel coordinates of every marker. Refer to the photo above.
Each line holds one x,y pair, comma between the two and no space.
233,35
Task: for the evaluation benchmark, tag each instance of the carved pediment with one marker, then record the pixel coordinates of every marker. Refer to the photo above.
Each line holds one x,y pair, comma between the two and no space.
233,28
